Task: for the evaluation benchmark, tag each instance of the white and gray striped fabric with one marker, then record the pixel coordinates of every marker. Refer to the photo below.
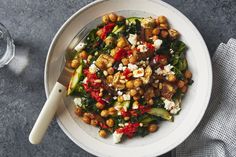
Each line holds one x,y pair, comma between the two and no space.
215,136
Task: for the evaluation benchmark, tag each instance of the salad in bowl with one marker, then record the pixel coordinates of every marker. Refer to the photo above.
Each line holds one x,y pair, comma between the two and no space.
131,73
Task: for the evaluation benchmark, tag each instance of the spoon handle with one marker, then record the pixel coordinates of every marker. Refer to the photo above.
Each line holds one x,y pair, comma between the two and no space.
47,113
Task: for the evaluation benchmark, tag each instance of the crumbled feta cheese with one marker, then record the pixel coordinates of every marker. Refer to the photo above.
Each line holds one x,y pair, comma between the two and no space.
168,67
154,61
132,66
124,67
93,69
121,125
126,124
157,44
126,97
133,39
105,73
85,61
175,110
120,67
138,73
142,48
171,51
165,71
119,93
119,113
141,124
85,80
117,137
77,102
171,106
114,97
79,47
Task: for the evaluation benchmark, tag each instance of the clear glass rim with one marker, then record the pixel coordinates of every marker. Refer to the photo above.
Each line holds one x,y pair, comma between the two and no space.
10,51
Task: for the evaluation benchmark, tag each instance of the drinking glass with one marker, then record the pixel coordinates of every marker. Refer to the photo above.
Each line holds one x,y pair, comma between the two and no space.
7,47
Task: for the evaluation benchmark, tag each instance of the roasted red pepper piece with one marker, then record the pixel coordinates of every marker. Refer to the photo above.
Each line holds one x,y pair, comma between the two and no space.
106,29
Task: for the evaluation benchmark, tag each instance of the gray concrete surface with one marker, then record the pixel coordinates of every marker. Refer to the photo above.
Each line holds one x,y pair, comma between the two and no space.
33,23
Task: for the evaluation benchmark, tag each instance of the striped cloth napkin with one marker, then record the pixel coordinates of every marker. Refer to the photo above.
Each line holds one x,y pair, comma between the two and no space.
215,136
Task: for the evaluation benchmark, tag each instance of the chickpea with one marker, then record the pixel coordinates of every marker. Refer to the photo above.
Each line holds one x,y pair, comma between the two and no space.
125,61
137,82
99,32
129,84
74,64
86,119
112,17
105,19
133,59
185,81
133,92
126,118
162,19
120,98
171,78
90,115
109,78
83,55
141,91
121,42
164,34
94,122
136,97
100,106
148,33
120,18
110,122
112,111
184,89
135,53
102,133
109,40
110,70
155,31
104,113
79,111
113,52
174,34
164,26
188,74
150,102
152,128
180,83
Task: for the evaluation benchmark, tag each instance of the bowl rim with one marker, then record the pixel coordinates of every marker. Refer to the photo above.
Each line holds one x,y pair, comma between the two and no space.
209,80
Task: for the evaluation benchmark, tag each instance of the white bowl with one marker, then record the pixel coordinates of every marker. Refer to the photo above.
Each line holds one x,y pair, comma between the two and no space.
170,134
